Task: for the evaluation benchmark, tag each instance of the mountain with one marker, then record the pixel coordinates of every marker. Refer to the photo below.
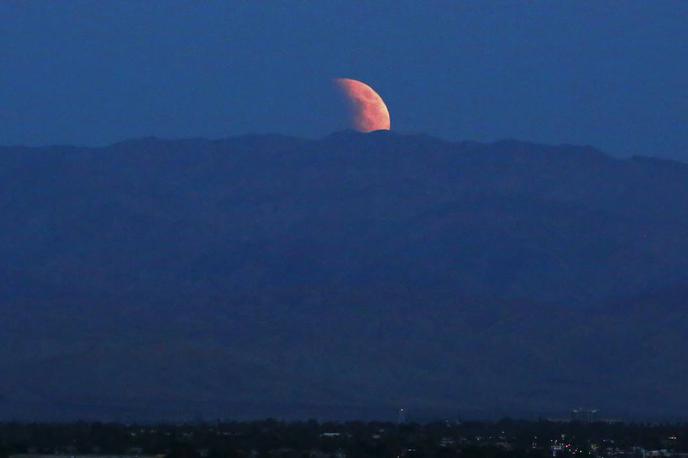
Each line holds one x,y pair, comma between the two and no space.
343,277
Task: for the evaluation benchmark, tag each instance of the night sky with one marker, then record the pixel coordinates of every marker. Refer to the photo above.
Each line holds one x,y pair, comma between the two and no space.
609,74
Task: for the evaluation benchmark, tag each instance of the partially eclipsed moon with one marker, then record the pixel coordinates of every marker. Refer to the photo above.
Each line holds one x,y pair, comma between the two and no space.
369,111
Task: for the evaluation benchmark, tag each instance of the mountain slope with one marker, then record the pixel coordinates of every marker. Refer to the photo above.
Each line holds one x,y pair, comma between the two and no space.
268,275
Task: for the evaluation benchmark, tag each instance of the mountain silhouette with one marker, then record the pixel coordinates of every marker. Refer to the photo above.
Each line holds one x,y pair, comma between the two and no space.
343,277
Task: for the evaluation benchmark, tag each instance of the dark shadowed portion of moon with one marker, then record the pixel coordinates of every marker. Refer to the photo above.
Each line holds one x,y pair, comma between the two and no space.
368,110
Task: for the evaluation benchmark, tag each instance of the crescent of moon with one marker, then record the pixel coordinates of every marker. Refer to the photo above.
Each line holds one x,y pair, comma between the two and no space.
369,111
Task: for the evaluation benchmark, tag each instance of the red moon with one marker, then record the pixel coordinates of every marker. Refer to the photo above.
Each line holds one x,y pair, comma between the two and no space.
369,111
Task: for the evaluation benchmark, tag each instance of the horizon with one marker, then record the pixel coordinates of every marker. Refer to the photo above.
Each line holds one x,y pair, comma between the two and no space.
553,73
346,131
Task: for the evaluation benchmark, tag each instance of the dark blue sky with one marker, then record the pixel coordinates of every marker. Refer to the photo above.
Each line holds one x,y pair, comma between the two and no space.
610,74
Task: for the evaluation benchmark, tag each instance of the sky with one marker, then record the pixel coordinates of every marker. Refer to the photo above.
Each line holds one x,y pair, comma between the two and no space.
609,74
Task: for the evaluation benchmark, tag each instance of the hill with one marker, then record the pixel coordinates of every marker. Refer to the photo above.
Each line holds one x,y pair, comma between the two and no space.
342,277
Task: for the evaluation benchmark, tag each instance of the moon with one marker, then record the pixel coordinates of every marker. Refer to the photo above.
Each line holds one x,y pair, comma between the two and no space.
368,110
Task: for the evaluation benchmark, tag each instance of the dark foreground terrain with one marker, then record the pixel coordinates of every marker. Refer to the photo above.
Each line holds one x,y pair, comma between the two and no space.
340,278
273,439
